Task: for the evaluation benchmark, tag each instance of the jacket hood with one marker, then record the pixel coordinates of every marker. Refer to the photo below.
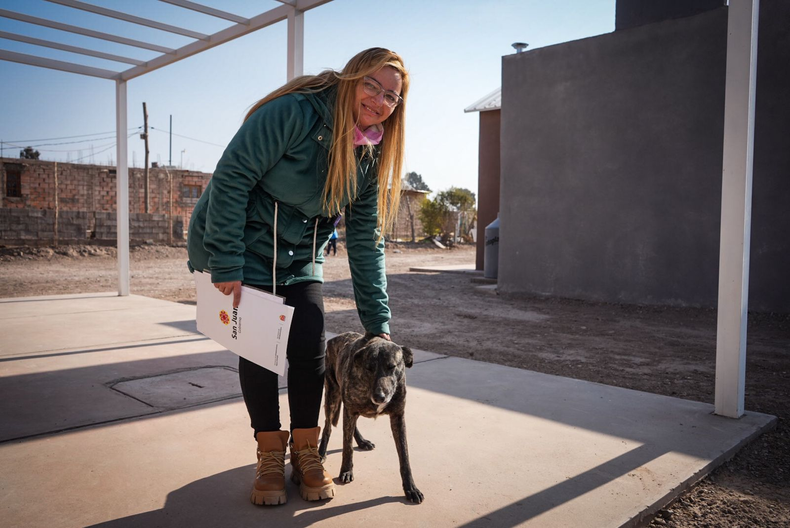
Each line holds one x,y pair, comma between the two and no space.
324,103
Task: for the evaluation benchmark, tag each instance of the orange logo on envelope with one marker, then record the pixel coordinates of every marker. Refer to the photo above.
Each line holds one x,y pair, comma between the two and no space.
282,318
224,317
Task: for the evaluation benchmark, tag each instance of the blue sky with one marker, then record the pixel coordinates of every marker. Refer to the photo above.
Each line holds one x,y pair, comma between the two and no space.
452,48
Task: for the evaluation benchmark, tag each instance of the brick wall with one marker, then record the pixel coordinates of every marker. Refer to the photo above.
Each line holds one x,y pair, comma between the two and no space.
401,230
77,194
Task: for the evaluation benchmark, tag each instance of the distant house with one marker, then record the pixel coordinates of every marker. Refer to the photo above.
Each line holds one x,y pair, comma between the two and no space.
408,226
490,108
46,202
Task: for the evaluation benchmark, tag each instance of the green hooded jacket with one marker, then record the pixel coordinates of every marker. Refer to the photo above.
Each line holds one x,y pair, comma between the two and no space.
280,156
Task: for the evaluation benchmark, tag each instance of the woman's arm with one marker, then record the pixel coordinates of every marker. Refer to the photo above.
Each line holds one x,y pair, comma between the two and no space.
366,260
258,145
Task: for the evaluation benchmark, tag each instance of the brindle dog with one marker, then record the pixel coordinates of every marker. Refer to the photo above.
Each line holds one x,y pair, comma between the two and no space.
367,374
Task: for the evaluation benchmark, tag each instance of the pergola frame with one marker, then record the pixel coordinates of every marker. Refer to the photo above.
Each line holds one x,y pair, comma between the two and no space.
291,10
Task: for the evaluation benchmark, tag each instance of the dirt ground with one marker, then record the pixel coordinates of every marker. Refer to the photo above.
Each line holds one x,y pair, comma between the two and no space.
668,351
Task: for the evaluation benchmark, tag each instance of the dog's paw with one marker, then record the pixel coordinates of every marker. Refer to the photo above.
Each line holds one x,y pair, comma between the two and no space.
414,495
366,445
346,477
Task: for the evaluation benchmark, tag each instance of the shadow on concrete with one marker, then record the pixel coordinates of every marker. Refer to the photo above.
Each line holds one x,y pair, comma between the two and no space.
84,394
223,500
27,357
189,325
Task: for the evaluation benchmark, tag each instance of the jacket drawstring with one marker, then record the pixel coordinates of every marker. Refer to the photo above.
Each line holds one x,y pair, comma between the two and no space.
274,260
315,234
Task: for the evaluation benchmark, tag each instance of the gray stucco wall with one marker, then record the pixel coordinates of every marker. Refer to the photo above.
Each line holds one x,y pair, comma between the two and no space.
633,13
611,168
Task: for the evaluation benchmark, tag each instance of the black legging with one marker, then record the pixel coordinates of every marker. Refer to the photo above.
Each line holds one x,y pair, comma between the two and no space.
306,352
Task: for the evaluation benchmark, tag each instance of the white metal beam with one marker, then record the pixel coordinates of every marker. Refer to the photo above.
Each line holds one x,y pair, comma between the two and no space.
200,8
272,16
32,60
307,5
295,43
130,18
736,206
122,187
71,49
82,31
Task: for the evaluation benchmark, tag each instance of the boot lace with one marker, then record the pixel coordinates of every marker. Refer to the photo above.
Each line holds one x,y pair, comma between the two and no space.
270,462
309,459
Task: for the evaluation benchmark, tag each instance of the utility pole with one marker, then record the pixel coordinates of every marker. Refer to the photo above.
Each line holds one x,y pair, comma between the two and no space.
144,136
170,158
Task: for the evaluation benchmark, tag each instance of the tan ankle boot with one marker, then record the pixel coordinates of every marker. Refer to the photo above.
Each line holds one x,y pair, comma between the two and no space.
314,482
269,487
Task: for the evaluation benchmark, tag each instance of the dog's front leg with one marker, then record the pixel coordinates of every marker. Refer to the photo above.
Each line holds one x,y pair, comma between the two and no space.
349,425
398,425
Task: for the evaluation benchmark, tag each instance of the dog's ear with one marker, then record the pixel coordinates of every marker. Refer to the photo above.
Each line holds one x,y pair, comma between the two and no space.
408,356
359,356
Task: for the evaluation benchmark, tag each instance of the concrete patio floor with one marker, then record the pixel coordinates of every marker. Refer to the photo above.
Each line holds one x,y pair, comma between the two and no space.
116,412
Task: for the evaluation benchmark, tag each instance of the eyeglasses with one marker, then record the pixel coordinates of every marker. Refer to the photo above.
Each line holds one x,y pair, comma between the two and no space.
373,88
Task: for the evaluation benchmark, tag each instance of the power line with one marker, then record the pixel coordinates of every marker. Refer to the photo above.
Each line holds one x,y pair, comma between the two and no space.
105,150
25,145
67,137
192,139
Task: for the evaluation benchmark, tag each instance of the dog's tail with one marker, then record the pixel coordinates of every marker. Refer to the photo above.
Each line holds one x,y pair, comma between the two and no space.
335,416
333,398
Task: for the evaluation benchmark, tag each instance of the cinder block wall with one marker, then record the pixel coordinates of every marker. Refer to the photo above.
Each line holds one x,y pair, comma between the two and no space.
36,227
612,160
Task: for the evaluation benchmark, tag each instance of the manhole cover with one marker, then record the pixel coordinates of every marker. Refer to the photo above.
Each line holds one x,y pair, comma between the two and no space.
184,388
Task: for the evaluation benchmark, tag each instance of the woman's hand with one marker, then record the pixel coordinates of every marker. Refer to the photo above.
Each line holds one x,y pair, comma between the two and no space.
385,336
227,288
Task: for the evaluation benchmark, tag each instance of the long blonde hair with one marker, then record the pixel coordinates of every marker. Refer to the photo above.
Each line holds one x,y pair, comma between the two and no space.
341,177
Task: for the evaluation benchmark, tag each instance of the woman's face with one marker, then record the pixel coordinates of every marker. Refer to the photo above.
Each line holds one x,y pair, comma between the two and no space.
372,110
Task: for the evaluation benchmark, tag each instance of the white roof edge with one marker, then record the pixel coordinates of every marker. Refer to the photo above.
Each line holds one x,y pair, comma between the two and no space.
492,101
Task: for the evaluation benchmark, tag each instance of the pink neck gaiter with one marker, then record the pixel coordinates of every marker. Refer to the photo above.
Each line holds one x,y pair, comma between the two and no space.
370,136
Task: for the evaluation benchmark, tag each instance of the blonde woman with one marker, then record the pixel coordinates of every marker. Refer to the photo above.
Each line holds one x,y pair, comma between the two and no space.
320,146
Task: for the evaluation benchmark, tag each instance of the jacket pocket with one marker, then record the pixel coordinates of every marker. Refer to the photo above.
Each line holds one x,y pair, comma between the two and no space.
256,236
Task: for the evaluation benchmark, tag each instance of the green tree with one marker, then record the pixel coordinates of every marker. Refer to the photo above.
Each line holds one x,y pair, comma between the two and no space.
29,153
458,199
432,216
450,214
416,183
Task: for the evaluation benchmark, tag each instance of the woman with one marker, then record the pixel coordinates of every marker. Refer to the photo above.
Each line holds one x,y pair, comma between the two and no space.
317,147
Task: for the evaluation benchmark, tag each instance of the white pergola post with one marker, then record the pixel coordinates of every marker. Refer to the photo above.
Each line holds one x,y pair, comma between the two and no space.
736,207
122,187
295,43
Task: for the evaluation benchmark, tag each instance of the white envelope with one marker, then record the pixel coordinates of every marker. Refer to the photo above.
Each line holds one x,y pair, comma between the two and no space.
257,330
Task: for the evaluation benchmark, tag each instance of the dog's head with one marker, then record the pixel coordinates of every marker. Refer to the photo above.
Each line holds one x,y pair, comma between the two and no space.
384,364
